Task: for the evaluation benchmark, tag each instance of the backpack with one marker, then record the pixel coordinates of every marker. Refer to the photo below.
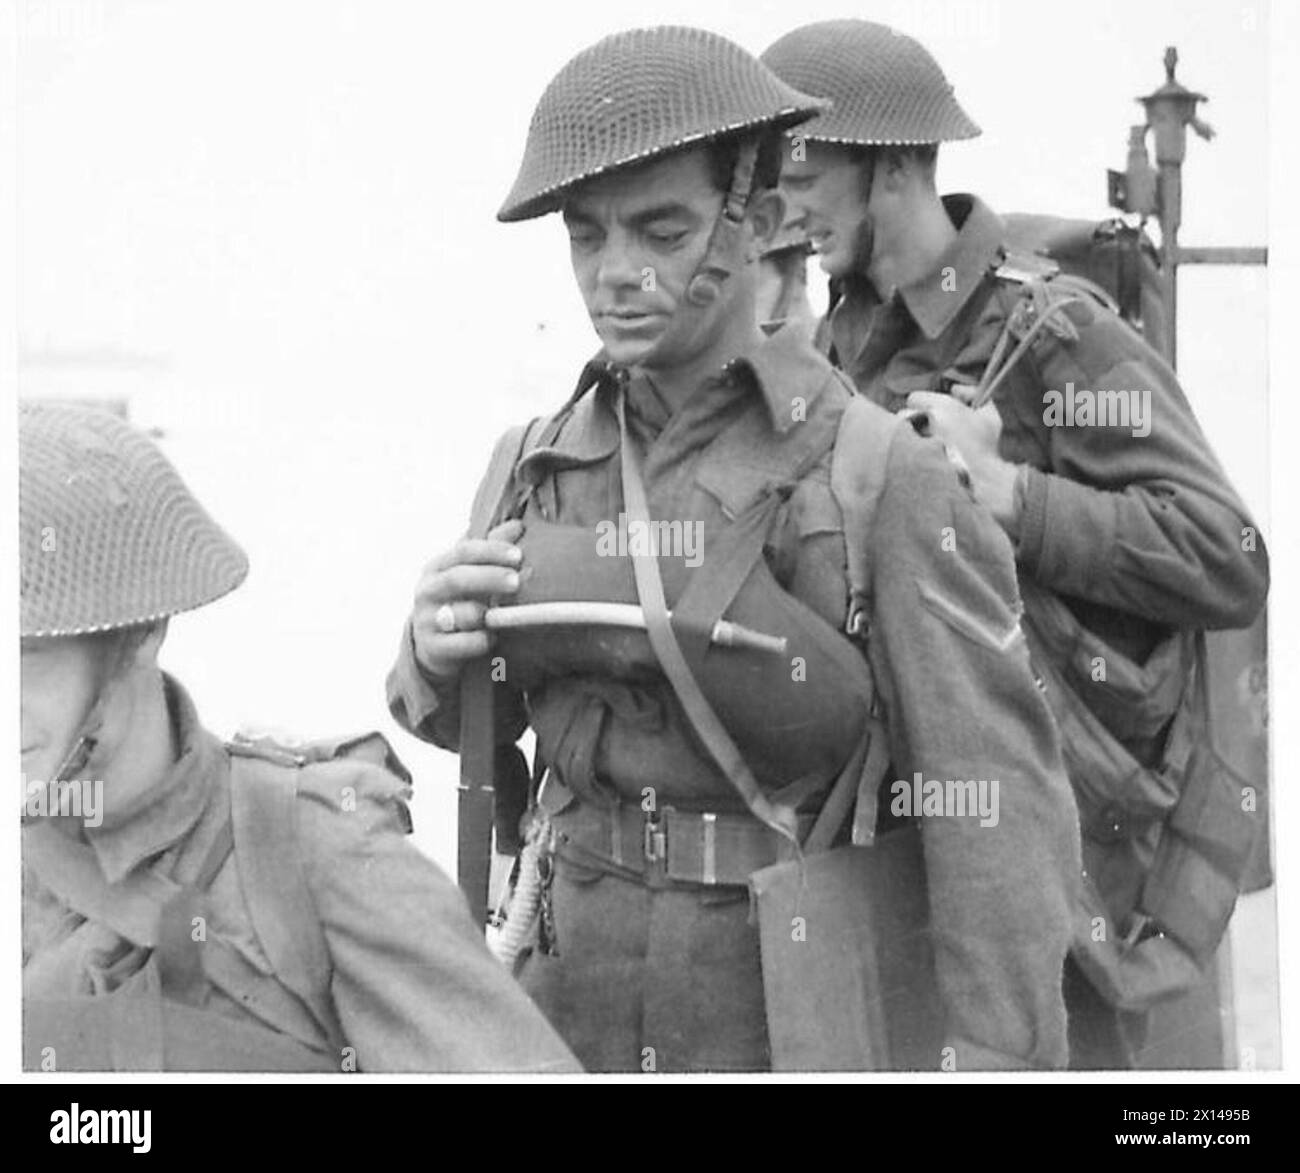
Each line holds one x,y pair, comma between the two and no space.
1115,257
1202,792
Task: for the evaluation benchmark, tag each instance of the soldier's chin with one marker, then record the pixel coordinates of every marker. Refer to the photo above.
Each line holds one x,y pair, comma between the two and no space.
838,262
625,351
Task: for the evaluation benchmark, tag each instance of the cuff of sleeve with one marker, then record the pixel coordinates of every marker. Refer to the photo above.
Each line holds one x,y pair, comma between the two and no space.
1033,520
412,695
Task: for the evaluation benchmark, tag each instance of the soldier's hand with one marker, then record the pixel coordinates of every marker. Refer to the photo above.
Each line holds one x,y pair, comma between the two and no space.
974,434
454,592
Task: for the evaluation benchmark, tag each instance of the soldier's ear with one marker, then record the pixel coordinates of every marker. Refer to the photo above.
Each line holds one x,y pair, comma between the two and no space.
766,214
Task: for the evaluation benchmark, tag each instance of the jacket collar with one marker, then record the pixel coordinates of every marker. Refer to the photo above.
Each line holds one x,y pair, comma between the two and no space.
936,299
782,366
174,805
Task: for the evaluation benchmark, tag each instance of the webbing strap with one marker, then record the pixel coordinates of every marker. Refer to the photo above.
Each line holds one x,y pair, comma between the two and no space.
707,596
859,464
263,798
993,376
69,869
663,641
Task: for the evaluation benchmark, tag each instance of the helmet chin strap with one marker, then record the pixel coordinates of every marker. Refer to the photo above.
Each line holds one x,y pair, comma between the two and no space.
723,253
864,237
720,256
86,740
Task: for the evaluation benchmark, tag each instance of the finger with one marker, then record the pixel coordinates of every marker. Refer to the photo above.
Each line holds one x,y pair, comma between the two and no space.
444,618
466,582
965,393
507,531
927,400
442,654
479,551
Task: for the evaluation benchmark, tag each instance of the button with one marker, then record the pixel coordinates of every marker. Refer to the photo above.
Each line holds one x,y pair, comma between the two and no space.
1111,824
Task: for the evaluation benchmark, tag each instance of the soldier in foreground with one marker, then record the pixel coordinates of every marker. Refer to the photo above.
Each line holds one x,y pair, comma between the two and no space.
1080,442
194,906
788,598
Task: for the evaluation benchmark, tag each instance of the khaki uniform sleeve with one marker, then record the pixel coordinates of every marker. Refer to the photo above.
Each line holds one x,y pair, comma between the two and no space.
962,703
430,709
1139,517
413,982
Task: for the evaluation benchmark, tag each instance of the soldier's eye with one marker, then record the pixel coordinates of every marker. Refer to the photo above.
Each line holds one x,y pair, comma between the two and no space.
666,238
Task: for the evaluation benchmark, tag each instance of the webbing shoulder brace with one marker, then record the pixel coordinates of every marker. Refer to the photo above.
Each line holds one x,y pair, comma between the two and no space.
264,791
859,464
1044,291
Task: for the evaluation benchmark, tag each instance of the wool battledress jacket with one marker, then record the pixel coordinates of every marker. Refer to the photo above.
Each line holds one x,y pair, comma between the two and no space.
676,970
1126,516
405,982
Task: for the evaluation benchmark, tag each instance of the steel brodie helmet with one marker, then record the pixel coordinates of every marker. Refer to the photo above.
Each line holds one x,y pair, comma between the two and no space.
637,95
884,87
110,536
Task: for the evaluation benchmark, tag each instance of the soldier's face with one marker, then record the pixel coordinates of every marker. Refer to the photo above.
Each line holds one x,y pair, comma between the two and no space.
824,187
636,239
60,680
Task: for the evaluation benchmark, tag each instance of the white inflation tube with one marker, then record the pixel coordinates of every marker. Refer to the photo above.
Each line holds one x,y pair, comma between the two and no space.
524,904
579,614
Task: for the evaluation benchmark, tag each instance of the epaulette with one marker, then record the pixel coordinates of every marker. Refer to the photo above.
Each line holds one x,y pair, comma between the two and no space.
280,750
1042,296
1024,267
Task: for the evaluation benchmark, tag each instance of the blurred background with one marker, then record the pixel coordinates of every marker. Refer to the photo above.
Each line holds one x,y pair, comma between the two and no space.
268,230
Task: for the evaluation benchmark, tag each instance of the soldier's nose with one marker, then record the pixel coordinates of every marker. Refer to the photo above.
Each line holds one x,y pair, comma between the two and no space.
617,269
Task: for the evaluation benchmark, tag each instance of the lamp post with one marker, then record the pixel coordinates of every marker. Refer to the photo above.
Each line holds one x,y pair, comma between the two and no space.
1142,190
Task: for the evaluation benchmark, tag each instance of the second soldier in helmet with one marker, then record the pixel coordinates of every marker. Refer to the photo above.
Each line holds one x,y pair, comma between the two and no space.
677,768
190,905
1128,539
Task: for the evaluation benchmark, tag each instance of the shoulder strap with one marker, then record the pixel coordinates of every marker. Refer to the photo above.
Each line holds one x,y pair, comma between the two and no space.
1045,291
494,490
859,462
859,470
263,799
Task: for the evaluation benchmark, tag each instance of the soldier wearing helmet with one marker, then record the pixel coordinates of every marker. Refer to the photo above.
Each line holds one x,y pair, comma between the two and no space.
194,905
703,625
1128,537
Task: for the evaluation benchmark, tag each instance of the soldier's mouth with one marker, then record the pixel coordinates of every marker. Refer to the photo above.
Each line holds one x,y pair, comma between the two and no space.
628,315
625,323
